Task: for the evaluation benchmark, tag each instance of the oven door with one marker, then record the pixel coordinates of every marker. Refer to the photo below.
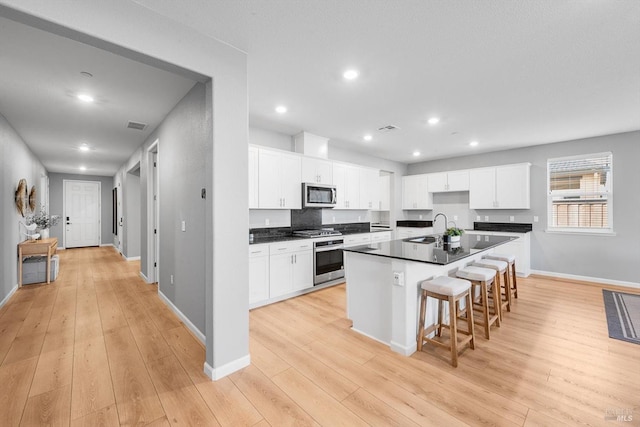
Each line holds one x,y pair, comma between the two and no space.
328,261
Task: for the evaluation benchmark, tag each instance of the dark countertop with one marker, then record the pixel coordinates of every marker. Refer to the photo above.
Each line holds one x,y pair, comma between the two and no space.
507,227
408,249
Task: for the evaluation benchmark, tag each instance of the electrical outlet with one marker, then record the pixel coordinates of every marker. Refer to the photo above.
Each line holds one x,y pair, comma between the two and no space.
478,218
486,218
419,216
512,218
398,278
455,217
172,279
333,219
184,225
266,221
535,218
359,218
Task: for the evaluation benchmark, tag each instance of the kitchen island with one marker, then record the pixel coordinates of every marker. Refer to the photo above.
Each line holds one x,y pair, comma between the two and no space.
383,282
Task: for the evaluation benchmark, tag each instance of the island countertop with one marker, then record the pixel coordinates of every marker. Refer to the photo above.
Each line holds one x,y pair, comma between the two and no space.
426,249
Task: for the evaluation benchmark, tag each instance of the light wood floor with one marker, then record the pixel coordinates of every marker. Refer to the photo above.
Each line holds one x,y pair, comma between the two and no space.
98,347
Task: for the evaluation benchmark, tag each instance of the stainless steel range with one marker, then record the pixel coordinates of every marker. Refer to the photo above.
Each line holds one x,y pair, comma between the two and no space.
328,260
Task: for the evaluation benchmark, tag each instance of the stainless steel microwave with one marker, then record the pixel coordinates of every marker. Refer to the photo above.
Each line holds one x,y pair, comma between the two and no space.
318,195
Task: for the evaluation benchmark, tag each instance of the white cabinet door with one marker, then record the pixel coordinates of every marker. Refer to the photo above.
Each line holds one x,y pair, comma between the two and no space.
369,188
415,192
340,181
269,180
385,193
458,180
437,182
280,281
290,182
482,188
513,187
347,181
253,178
317,170
302,270
258,279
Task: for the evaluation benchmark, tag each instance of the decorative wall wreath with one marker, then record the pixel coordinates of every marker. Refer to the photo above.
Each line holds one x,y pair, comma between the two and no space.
21,196
32,199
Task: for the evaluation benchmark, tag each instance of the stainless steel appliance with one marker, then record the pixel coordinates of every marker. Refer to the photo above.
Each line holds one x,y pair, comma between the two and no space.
318,195
328,261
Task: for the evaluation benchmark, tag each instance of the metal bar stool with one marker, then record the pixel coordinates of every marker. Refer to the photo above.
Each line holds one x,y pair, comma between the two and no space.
484,278
502,278
452,290
511,260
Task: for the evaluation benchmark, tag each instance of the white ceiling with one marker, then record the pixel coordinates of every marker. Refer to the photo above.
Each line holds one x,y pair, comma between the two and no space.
40,79
507,73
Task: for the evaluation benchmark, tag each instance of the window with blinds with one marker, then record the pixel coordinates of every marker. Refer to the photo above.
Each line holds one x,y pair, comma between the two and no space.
580,196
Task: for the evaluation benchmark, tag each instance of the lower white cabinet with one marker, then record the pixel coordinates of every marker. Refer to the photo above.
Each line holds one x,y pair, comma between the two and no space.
406,232
290,267
258,273
357,239
381,236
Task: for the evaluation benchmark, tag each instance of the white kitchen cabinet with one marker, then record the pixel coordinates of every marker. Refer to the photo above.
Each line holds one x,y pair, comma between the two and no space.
381,236
258,273
385,193
415,192
369,188
448,181
346,178
356,239
290,267
318,171
279,180
501,187
406,232
253,178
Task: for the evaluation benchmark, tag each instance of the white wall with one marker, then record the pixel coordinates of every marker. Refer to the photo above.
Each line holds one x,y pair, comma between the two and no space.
589,256
129,29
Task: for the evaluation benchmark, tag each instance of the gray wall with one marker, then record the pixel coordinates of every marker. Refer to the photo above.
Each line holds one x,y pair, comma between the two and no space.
604,257
130,29
132,219
16,162
56,202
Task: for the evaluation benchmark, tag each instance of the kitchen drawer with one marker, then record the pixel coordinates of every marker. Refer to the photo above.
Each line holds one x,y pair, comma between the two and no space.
406,232
258,250
357,239
381,236
294,246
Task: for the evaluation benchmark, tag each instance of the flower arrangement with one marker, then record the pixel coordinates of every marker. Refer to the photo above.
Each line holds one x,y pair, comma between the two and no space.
42,219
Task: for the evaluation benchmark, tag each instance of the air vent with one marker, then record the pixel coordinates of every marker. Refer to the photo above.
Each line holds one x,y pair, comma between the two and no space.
388,128
136,126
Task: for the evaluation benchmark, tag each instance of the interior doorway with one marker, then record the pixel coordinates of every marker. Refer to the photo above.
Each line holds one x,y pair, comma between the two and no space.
132,208
153,231
81,212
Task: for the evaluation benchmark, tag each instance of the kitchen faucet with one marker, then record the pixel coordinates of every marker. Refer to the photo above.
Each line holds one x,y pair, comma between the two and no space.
446,220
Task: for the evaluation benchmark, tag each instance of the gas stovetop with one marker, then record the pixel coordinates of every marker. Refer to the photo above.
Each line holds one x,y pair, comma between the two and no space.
317,233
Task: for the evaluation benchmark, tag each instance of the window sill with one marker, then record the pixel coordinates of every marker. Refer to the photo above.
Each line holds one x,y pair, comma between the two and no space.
607,233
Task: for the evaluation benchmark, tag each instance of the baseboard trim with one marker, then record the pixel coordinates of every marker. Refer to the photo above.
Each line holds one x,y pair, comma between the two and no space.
133,258
594,280
11,292
226,369
60,248
199,335
145,278
106,244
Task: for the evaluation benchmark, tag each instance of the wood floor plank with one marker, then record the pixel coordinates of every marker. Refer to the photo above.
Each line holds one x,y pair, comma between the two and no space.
16,380
54,371
374,411
24,347
264,359
105,417
8,332
52,408
189,351
227,402
151,342
92,389
187,408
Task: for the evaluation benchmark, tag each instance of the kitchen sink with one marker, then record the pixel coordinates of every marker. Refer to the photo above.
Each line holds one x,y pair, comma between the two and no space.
424,239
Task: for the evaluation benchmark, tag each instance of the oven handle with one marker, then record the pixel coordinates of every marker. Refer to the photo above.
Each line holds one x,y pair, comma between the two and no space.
329,248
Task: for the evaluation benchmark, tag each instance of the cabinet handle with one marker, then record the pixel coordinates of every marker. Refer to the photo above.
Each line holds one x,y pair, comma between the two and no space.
291,259
295,259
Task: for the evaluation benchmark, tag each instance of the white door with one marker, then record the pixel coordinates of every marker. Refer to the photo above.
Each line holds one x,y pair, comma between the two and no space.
156,225
82,213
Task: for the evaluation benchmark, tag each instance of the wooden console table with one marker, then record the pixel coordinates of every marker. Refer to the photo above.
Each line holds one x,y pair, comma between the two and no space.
46,247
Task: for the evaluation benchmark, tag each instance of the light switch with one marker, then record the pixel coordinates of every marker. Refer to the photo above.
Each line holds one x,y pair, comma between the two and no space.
184,226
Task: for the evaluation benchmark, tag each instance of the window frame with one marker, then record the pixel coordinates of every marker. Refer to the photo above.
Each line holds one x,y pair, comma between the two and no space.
609,230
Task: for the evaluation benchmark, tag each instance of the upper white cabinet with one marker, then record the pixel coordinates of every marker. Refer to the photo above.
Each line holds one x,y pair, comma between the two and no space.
385,193
448,181
346,178
369,188
279,180
415,192
318,171
253,178
501,187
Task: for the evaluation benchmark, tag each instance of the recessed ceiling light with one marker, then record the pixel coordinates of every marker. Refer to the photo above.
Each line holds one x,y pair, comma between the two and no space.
434,120
83,168
281,109
83,147
351,74
367,137
85,98
473,143
416,153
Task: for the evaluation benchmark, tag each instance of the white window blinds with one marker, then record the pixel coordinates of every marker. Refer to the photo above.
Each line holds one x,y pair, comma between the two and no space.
580,193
